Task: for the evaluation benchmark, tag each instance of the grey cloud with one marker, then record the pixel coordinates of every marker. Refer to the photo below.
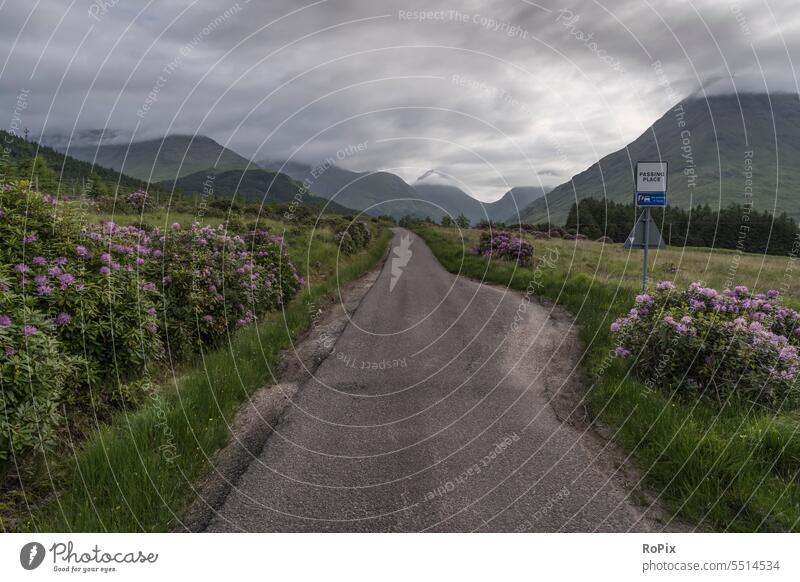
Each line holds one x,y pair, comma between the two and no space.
527,95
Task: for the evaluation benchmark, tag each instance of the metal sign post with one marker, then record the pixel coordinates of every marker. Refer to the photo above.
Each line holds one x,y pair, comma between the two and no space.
646,246
651,190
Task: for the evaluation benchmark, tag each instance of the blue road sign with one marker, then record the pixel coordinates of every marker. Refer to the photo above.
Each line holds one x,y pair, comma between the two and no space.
651,199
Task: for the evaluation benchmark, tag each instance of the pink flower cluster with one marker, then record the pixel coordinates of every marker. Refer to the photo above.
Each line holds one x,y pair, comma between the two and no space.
502,244
750,338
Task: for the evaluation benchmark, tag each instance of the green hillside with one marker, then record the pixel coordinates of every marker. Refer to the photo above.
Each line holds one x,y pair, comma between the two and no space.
714,147
252,186
57,174
163,159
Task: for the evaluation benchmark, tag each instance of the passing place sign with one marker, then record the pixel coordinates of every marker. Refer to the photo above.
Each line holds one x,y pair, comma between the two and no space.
651,176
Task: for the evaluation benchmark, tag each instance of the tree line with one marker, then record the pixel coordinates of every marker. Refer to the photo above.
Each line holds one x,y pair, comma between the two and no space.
735,227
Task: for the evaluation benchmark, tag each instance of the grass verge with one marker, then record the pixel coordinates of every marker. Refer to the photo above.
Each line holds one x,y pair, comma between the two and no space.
138,473
721,468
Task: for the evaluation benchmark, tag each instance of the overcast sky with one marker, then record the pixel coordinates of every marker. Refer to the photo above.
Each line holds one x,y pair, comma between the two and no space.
492,94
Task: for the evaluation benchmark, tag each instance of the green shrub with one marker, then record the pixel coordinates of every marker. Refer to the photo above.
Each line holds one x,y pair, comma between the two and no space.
728,345
104,300
212,282
35,373
97,305
504,245
354,237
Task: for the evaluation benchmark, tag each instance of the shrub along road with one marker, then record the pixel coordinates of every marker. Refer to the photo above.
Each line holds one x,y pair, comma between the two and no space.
439,408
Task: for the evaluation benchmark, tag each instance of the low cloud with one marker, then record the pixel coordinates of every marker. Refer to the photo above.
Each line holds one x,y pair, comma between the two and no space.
493,93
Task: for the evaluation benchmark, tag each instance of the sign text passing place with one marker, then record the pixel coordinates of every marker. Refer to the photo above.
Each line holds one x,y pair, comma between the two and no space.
651,176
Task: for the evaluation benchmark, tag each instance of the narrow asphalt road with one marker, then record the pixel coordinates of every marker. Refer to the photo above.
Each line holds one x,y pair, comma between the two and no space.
434,412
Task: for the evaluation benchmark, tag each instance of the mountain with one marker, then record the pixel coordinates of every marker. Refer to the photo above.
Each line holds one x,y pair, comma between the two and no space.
509,207
449,200
168,158
456,202
708,144
56,173
374,193
255,185
432,194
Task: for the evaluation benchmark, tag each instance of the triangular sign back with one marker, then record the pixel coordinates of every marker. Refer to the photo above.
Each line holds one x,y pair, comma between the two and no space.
635,239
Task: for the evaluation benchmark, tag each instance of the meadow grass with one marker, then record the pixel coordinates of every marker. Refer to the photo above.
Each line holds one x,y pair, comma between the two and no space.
719,268
139,472
156,218
731,467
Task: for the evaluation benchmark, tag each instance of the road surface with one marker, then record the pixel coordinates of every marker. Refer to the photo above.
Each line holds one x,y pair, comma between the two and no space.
434,412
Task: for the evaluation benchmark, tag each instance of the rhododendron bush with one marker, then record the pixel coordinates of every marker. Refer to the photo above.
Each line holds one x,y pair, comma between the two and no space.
729,344
212,281
353,237
87,310
504,245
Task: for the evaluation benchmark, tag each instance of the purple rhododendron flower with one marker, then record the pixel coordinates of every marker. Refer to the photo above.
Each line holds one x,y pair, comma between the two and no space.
5,321
105,271
621,352
39,261
29,330
66,279
22,268
63,318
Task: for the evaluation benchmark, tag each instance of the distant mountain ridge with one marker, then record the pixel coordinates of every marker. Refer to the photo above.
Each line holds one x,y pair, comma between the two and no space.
718,150
158,159
256,185
379,193
180,160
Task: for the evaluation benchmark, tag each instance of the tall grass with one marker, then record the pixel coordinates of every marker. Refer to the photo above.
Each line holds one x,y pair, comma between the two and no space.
139,473
723,468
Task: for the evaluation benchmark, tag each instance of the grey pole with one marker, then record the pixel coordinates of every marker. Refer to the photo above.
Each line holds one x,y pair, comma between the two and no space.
646,245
